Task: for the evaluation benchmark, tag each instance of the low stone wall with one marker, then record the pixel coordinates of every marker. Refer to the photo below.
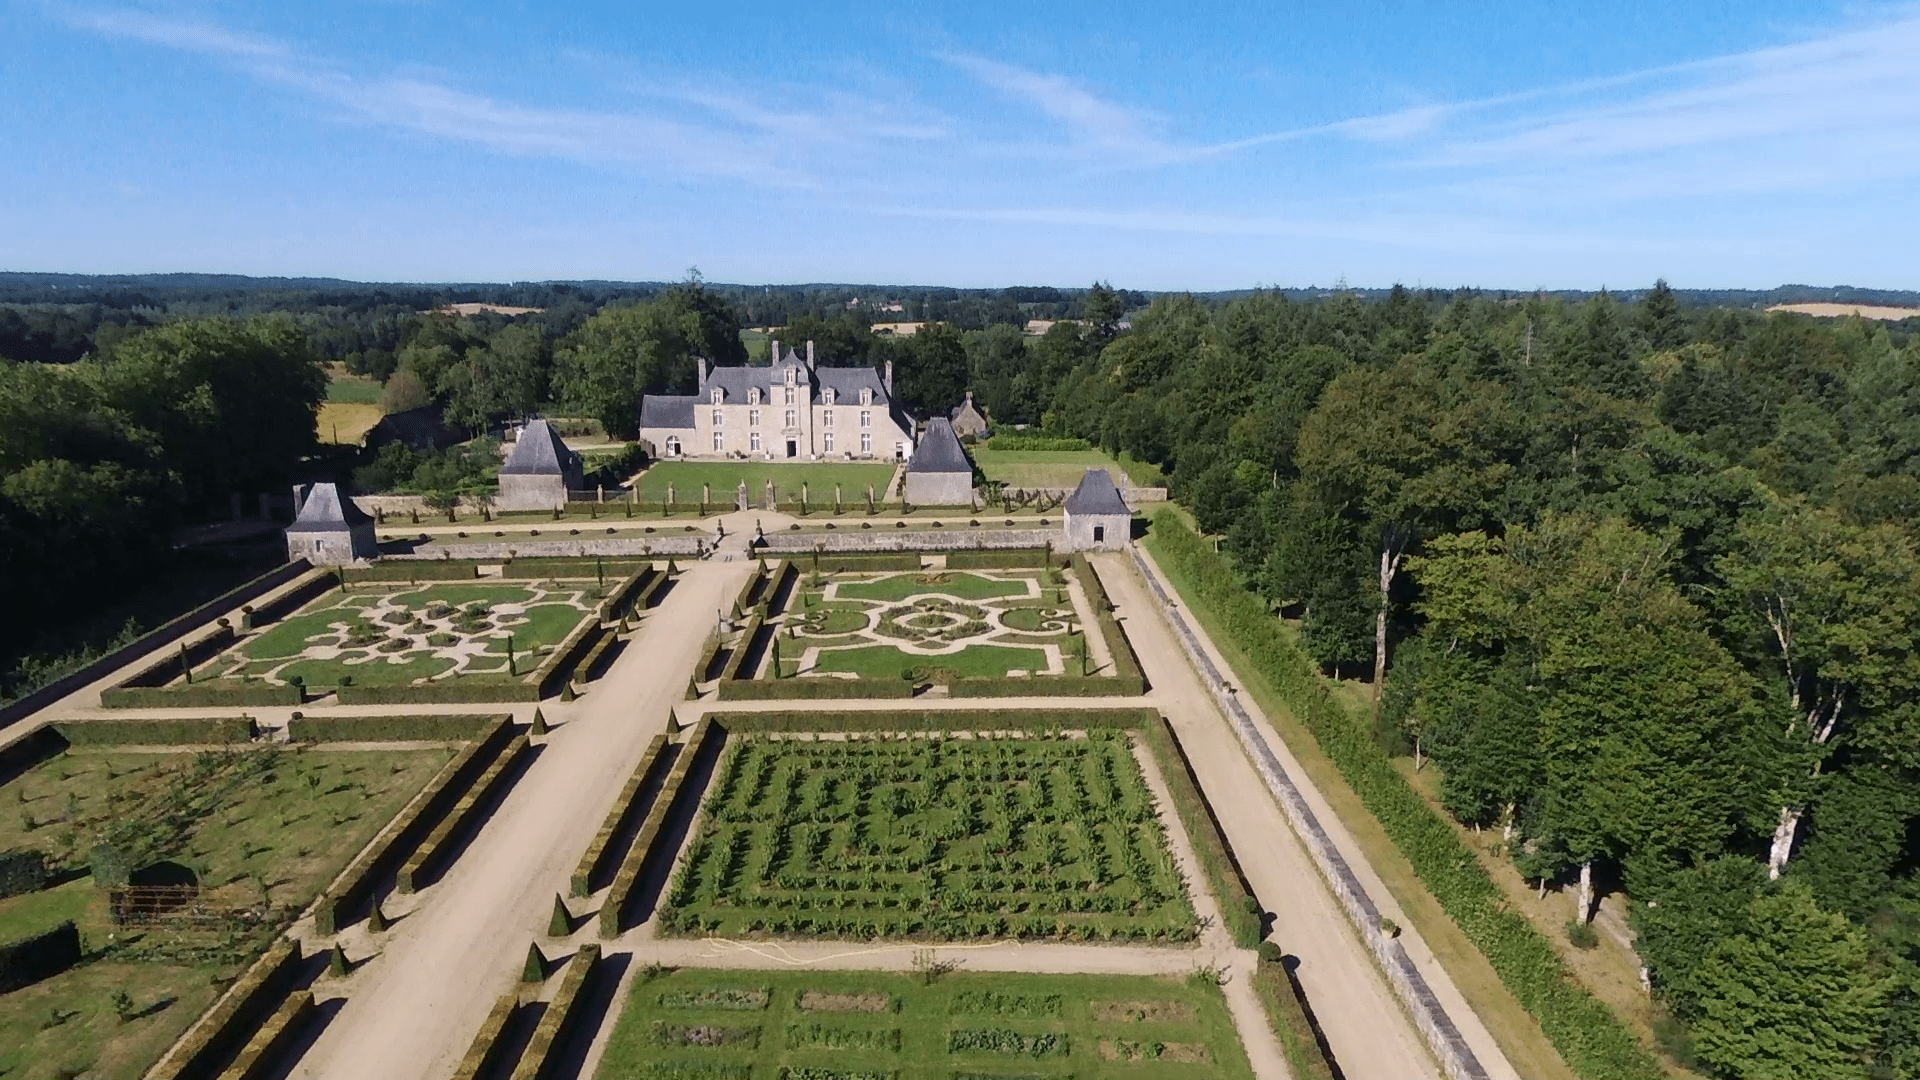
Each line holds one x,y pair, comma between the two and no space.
1429,1015
957,539
692,545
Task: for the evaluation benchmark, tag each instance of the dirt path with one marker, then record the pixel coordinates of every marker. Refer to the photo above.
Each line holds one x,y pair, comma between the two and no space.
1370,1035
415,1006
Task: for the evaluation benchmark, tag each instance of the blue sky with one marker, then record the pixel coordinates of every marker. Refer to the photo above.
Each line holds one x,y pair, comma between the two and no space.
1500,143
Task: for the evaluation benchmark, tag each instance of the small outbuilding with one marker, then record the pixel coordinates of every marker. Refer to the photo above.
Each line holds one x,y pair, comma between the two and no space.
1097,517
539,472
938,473
422,428
970,420
327,529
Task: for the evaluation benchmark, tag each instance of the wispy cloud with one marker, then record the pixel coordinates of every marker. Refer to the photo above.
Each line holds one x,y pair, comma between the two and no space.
1092,124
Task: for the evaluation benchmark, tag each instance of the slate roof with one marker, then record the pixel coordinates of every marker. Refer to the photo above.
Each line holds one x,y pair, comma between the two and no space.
667,410
1096,495
326,510
539,452
847,382
968,410
939,450
420,428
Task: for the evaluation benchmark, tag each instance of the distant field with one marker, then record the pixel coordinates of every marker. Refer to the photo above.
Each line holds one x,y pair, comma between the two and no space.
351,389
1865,311
347,423
725,476
1058,468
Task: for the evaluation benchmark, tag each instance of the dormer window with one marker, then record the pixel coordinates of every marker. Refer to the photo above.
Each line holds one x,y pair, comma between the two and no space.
716,395
866,397
753,396
791,372
827,396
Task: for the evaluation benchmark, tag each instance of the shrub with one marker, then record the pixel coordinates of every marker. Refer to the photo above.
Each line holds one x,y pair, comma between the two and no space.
235,1017
1582,935
1590,1038
194,731
1037,442
425,728
593,863
1270,952
22,872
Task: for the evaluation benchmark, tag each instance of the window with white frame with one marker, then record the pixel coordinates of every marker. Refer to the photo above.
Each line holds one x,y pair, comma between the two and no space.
673,445
828,443
791,372
826,396
753,395
866,418
826,418
719,441
866,442
719,417
793,417
753,417
715,396
866,397
789,395
753,441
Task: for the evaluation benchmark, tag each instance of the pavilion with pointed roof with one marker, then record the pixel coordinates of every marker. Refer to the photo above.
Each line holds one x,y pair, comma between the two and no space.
539,472
328,529
938,473
1097,517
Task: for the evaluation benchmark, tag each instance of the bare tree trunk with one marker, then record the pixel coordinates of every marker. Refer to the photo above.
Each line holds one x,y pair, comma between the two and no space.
1584,913
1389,566
1782,848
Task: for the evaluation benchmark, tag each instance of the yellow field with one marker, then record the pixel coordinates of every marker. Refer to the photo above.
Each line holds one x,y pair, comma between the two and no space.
346,422
1865,311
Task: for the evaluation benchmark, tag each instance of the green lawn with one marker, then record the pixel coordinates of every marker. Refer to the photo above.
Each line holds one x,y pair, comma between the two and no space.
957,584
1043,837
840,1024
345,389
725,476
887,662
1059,468
280,820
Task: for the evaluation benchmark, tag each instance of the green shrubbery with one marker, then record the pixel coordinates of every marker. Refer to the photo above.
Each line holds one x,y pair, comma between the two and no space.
1053,443
195,731
22,872
1590,1038
469,690
413,570
41,956
1240,910
891,720
235,1017
646,843
437,847
1006,559
424,728
592,864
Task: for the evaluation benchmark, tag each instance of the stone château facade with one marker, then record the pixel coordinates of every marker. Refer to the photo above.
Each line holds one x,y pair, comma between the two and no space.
793,410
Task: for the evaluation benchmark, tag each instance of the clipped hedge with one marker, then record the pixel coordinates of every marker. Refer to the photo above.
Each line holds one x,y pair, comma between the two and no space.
262,1053
731,671
1240,910
234,1017
649,597
1287,1015
592,864
40,956
751,592
22,872
207,695
626,595
559,1017
591,664
191,731
1046,686
558,667
869,561
357,883
647,841
423,728
293,599
485,1046
167,666
414,570
432,854
1122,719
819,689
1590,1038
1037,442
575,568
709,655
472,690
1002,559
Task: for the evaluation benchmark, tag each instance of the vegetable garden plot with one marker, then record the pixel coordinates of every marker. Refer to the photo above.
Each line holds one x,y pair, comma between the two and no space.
1038,837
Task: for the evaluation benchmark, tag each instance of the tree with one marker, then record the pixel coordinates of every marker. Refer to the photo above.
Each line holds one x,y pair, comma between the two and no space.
606,366
1794,995
505,379
403,390
1102,308
1660,322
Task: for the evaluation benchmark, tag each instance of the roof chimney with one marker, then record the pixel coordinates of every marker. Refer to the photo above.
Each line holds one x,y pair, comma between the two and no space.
888,380
774,352
700,366
809,354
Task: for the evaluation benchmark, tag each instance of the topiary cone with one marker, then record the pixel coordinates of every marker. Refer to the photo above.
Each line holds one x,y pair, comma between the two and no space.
336,960
539,722
566,691
536,969
672,567
693,690
376,922
561,924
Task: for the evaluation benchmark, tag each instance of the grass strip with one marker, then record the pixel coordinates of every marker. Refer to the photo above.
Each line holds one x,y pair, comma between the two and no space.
1287,1015
1592,1041
1239,908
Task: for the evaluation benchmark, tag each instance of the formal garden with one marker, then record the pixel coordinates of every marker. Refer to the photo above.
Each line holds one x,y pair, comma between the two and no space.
397,633
176,869
935,1024
1040,836
941,625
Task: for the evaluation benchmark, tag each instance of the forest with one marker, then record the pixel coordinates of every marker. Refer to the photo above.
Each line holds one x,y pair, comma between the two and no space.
1634,576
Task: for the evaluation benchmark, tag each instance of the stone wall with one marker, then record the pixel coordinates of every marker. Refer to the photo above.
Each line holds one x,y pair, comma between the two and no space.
958,539
939,488
692,545
1116,532
527,491
1429,1015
